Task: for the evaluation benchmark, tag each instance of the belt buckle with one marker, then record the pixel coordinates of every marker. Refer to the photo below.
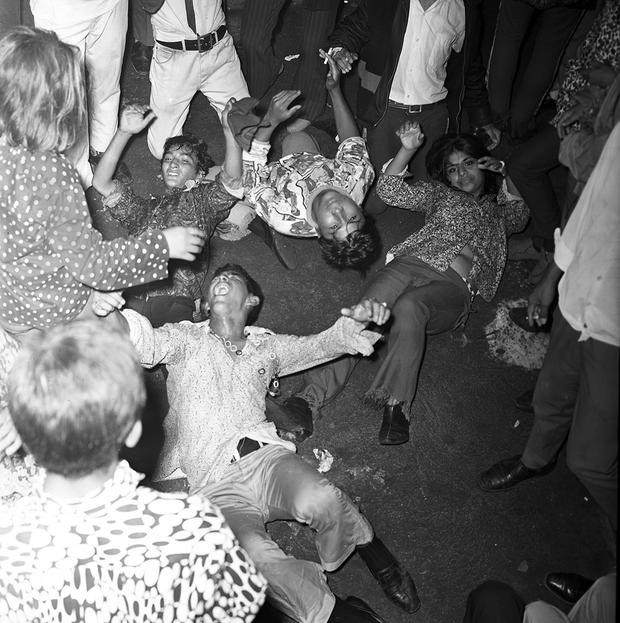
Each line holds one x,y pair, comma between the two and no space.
414,108
206,42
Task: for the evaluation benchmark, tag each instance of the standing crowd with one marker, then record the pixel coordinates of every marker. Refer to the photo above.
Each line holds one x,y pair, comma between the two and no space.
464,110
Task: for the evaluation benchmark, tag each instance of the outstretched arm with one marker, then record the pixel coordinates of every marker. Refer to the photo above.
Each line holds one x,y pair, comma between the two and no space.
411,139
232,165
345,122
134,118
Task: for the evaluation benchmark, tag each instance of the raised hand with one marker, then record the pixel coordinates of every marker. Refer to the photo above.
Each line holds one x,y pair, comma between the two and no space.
368,310
344,59
280,108
184,243
134,118
333,75
410,135
492,164
225,113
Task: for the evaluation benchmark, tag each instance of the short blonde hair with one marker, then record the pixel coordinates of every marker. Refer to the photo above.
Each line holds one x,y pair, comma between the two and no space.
42,91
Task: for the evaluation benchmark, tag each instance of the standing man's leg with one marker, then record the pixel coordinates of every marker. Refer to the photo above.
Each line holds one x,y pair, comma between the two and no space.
512,23
105,47
14,13
318,19
592,447
555,26
260,65
383,143
143,42
221,76
529,166
555,395
554,401
175,78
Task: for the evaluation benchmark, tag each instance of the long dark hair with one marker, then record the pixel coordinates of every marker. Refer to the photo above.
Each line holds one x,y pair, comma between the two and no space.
437,158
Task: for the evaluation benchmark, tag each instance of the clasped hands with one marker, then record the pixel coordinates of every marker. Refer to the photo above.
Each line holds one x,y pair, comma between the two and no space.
368,310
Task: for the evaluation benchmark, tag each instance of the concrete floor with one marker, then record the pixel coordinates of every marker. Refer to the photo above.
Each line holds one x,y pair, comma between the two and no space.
421,497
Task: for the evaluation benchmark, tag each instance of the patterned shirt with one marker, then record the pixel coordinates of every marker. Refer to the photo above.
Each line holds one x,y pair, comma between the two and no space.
125,554
455,219
279,191
50,255
203,205
215,399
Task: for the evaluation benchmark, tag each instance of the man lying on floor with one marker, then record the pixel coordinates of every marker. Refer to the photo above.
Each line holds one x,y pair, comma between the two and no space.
218,437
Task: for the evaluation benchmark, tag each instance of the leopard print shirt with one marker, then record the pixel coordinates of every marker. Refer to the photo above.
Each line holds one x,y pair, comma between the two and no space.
126,554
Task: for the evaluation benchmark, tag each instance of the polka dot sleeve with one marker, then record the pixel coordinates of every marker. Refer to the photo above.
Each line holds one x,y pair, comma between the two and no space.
103,264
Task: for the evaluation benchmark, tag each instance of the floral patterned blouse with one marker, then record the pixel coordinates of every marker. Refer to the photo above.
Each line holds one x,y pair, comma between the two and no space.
455,219
204,205
125,554
279,191
51,257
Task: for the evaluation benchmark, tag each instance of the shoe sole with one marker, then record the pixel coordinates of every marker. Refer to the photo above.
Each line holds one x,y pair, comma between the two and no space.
393,442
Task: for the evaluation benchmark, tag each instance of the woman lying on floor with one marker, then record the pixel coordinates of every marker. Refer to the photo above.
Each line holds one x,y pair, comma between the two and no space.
431,278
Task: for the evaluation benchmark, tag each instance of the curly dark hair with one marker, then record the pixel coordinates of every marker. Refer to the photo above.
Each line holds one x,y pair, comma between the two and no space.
439,152
359,250
192,145
250,283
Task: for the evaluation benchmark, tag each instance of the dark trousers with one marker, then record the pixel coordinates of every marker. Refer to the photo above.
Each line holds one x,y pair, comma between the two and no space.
383,142
494,602
552,30
529,167
140,24
576,401
423,302
15,13
259,62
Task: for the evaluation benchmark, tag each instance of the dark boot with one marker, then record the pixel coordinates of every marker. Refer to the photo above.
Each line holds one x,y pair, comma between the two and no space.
353,610
395,581
395,426
275,241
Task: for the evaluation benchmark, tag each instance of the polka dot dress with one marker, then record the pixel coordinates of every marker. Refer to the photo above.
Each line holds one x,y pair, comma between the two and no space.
50,255
126,554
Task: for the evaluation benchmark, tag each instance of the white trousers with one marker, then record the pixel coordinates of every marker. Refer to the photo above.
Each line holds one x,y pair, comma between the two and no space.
272,484
101,42
177,75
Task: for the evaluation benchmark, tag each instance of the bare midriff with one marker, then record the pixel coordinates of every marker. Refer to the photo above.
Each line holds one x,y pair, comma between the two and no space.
463,261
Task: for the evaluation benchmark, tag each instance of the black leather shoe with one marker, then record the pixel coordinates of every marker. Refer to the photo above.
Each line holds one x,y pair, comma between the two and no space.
398,585
508,473
568,586
523,401
395,426
362,606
